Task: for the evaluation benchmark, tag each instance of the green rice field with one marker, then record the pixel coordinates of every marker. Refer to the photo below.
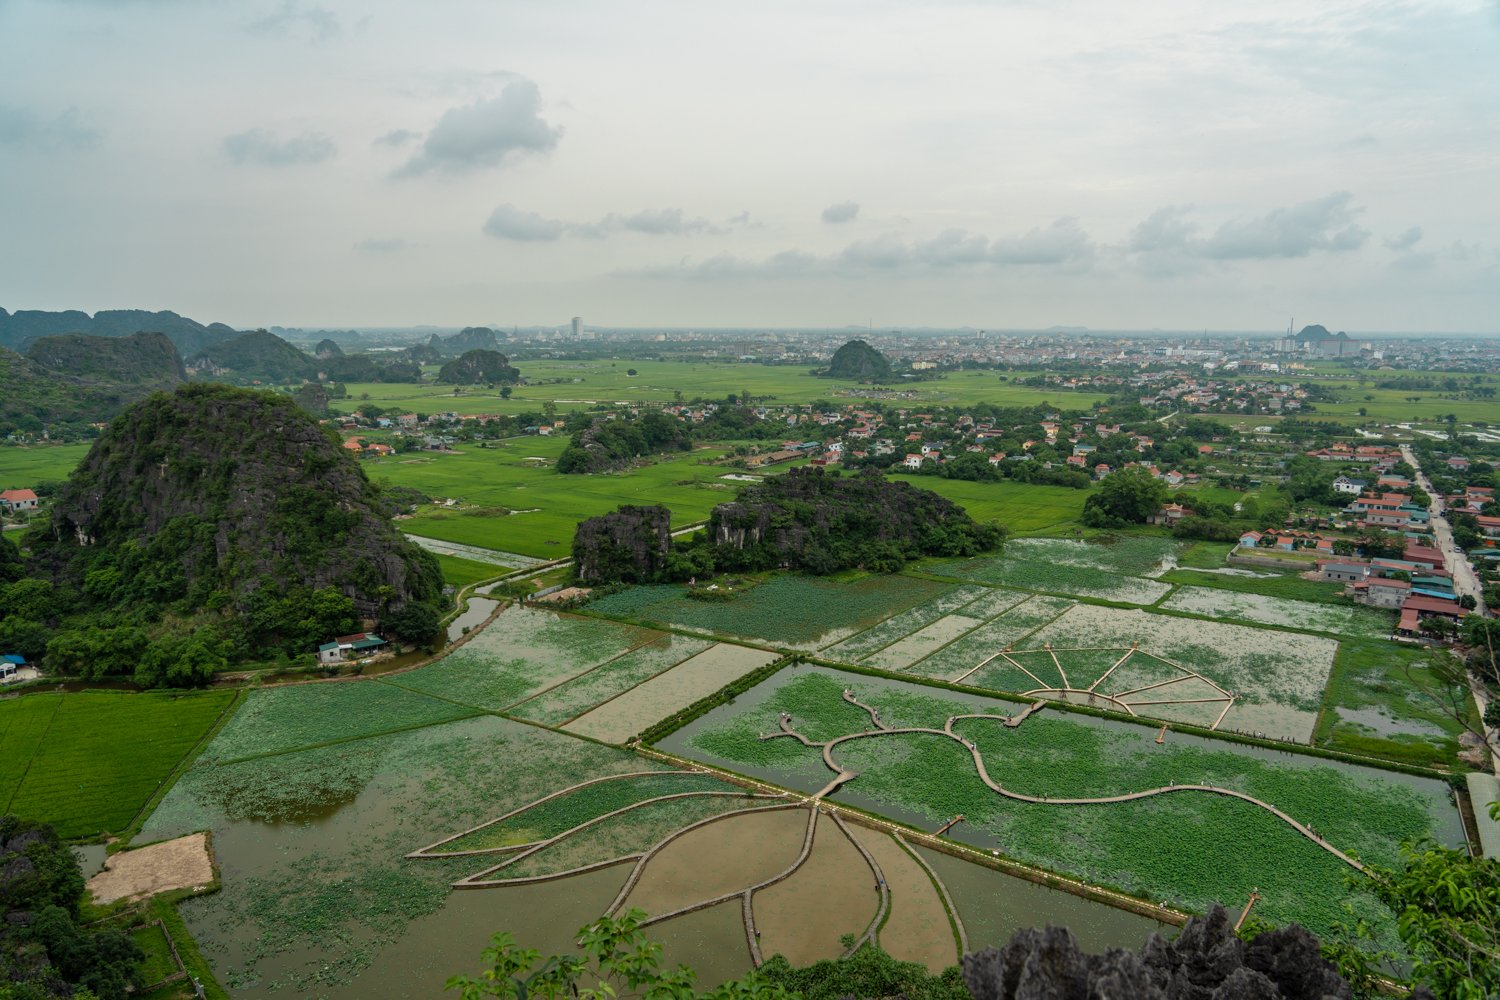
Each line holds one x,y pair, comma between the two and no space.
88,762
23,468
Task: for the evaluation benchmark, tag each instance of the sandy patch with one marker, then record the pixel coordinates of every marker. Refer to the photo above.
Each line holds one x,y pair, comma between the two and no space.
173,864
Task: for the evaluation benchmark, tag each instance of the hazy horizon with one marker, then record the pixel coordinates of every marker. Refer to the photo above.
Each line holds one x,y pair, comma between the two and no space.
827,164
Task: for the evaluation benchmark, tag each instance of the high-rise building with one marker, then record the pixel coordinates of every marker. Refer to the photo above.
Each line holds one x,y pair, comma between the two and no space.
577,327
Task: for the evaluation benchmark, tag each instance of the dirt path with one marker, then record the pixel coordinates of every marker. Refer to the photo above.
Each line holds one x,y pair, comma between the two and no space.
173,864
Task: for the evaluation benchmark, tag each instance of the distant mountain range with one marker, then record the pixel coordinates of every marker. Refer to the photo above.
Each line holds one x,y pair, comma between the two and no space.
79,379
19,329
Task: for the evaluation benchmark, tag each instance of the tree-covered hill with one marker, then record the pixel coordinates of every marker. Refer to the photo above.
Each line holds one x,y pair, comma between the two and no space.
808,519
479,367
69,381
211,525
605,445
149,359
859,361
256,356
470,338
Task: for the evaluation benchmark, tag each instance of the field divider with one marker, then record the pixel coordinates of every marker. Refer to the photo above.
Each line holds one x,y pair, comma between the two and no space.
906,635
988,621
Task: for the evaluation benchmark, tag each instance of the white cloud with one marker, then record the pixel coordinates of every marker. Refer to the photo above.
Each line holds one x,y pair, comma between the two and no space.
1325,223
508,222
486,133
24,129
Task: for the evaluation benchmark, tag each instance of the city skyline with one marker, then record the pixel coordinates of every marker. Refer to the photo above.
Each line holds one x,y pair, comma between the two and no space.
826,165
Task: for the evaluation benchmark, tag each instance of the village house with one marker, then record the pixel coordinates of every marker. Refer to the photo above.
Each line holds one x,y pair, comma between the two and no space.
350,647
17,501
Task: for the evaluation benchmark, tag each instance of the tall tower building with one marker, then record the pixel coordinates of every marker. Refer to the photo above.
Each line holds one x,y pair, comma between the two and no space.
577,327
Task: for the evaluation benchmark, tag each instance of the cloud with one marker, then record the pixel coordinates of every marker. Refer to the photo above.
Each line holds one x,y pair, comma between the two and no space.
1165,229
844,211
257,147
397,138
511,223
25,129
318,24
1406,240
1061,242
1325,223
486,133
384,246
658,222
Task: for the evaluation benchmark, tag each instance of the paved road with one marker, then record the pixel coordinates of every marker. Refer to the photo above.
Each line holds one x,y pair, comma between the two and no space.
1464,579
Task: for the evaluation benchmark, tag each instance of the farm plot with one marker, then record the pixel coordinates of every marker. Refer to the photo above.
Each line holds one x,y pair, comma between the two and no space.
313,843
1276,678
903,653
962,656
1114,571
276,720
896,627
522,652
88,762
1349,619
788,610
610,679
1191,847
641,707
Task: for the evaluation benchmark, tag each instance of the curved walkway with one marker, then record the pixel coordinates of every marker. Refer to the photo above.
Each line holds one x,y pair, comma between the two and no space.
947,731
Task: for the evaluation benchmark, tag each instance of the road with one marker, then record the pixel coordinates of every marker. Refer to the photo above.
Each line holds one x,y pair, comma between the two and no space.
1465,581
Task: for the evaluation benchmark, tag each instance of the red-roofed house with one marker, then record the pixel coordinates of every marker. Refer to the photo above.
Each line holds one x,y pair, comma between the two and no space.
18,500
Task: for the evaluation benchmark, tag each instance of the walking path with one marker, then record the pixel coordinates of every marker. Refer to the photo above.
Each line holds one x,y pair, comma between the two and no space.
785,723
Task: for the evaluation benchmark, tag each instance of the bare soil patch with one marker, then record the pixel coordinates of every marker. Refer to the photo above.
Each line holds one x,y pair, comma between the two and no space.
832,894
173,864
917,929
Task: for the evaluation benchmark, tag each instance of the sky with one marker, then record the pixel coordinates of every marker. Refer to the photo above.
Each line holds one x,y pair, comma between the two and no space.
984,163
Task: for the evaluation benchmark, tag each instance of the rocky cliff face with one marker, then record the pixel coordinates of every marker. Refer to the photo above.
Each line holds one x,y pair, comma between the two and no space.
225,492
628,545
479,367
1205,962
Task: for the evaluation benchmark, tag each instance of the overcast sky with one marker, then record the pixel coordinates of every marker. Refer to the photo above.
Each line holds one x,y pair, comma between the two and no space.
1181,165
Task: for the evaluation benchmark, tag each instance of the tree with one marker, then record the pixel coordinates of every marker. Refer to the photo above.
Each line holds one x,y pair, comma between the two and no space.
1130,496
1447,906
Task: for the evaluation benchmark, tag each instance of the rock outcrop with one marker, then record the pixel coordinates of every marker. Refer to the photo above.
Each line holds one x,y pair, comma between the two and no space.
1207,961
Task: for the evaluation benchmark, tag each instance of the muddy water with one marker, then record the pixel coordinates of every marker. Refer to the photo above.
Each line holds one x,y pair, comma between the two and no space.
449,942
711,942
90,858
994,906
479,609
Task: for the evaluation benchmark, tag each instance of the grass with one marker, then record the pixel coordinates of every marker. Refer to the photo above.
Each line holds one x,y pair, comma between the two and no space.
88,762
1024,508
460,573
517,475
1269,583
1195,849
23,468
1383,701
604,381
159,963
